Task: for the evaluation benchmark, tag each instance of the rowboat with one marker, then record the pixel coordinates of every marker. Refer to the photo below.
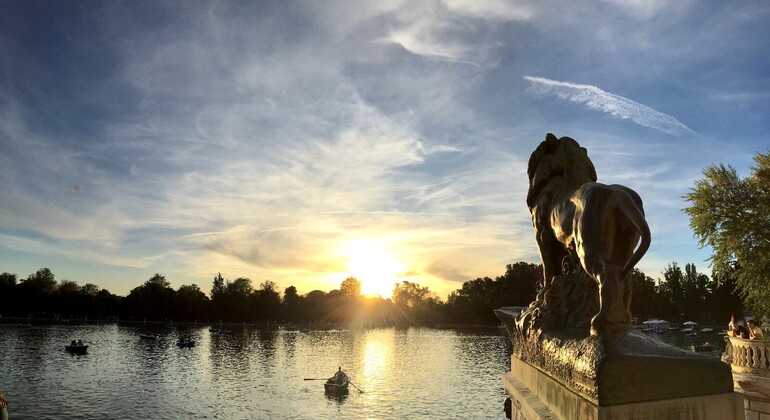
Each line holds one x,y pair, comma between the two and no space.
701,347
77,349
337,384
148,337
185,342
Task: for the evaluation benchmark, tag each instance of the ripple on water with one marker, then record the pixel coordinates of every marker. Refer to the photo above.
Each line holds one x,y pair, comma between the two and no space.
251,373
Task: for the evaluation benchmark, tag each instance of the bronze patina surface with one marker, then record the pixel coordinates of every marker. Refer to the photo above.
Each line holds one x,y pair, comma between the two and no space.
578,330
620,368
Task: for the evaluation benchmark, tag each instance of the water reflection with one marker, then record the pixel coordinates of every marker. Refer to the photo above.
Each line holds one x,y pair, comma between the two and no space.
251,373
377,353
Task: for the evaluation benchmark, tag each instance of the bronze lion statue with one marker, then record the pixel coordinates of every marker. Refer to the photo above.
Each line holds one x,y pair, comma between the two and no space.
596,224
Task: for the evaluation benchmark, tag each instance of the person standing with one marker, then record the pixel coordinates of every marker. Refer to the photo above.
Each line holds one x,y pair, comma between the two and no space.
755,332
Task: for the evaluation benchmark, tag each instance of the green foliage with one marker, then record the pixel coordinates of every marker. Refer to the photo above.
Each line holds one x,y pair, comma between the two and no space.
732,216
157,282
152,300
190,303
219,286
409,294
89,289
292,303
42,281
68,286
645,302
351,287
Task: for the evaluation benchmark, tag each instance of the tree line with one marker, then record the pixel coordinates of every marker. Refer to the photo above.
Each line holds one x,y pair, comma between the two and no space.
680,295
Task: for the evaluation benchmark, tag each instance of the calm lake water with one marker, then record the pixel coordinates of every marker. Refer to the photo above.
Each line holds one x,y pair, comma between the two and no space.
259,373
252,373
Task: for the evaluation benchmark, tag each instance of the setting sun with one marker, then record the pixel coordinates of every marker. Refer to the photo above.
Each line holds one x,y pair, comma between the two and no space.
374,266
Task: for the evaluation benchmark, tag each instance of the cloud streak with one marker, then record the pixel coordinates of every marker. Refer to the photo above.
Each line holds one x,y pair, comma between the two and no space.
615,105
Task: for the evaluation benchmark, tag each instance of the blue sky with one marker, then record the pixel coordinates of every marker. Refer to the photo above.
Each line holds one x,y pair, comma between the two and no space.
302,142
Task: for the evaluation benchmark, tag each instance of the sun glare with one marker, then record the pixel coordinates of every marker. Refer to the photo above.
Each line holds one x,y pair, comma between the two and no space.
374,266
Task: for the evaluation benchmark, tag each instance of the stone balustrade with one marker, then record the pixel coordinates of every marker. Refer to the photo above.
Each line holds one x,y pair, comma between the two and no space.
750,357
750,363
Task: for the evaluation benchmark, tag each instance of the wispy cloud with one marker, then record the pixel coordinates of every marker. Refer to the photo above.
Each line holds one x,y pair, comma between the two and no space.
646,9
453,30
615,105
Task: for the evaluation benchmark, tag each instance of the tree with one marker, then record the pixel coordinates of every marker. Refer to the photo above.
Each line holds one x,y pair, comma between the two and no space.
643,300
351,287
218,296
89,289
291,303
266,301
237,299
68,286
732,216
158,281
37,291
674,289
8,300
219,286
723,299
519,284
409,294
191,303
154,299
476,301
43,281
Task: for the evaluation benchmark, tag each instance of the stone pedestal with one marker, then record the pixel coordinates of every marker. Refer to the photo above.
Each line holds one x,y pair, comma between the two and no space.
536,395
566,375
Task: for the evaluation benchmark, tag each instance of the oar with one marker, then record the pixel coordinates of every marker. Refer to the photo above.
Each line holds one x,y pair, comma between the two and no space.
354,386
315,379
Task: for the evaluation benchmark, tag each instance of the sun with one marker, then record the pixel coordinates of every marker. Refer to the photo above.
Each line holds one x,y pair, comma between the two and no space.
374,266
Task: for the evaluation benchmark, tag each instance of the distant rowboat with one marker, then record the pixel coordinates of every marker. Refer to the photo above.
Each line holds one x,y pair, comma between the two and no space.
185,342
701,347
148,337
77,349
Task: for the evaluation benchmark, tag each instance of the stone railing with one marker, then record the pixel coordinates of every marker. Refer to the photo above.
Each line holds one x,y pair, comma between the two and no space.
748,356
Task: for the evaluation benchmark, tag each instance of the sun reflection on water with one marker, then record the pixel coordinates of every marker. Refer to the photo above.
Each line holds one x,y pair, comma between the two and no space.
377,353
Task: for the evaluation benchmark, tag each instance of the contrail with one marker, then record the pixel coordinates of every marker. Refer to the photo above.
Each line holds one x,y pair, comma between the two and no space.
615,105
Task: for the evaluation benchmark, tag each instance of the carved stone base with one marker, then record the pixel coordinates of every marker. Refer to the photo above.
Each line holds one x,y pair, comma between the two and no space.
535,395
628,367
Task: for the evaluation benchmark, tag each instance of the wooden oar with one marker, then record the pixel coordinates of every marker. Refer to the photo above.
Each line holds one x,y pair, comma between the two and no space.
354,386
315,379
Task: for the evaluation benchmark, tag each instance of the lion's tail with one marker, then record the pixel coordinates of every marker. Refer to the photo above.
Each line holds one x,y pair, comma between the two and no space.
635,214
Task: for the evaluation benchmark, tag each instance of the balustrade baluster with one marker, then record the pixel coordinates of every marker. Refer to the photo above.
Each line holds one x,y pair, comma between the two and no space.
755,356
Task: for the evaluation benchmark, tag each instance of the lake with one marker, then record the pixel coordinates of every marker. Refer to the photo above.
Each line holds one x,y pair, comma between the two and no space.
251,373
259,373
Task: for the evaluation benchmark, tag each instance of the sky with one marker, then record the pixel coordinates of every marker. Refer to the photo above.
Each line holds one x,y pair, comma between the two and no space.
304,142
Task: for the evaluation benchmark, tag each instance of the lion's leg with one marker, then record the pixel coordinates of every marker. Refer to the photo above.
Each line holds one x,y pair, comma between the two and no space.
551,253
625,242
612,316
596,247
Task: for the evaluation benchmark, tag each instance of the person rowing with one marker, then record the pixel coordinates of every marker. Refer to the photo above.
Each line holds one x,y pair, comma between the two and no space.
339,377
